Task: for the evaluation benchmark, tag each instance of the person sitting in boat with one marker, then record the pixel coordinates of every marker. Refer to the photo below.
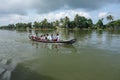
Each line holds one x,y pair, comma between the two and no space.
33,36
52,37
49,38
57,38
42,37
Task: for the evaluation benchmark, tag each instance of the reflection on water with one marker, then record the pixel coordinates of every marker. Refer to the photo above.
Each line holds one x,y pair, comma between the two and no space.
58,48
51,45
95,56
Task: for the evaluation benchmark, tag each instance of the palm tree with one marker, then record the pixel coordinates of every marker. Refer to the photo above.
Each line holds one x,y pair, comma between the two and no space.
109,17
110,24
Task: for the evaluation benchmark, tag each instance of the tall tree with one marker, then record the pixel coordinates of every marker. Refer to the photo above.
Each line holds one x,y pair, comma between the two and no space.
71,24
30,25
61,21
76,20
90,23
36,25
66,22
45,23
56,23
109,18
111,23
100,23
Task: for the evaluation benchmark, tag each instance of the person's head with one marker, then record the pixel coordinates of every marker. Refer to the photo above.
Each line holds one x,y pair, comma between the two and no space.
45,37
57,34
51,34
47,34
41,35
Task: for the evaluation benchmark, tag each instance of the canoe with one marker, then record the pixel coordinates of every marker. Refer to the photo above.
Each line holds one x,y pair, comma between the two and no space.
47,41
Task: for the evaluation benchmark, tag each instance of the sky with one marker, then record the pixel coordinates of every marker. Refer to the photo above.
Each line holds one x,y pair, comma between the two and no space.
15,11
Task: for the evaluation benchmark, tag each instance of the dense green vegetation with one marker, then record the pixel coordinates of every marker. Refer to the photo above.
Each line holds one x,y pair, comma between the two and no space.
79,22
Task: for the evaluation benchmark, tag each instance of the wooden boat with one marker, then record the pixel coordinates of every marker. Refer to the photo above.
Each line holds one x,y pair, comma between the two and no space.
47,41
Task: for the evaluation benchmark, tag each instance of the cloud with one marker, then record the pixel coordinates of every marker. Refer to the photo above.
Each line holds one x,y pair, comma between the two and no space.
31,10
12,19
52,16
61,14
45,6
102,14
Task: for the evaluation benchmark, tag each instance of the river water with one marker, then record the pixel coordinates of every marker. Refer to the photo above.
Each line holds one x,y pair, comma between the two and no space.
95,56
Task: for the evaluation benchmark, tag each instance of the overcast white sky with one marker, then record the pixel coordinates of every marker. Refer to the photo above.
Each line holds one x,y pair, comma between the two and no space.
14,11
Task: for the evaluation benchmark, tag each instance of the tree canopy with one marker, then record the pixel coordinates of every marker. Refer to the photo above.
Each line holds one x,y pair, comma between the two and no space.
80,22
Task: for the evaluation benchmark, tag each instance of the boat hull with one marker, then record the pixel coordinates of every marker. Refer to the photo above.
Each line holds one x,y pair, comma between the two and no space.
47,41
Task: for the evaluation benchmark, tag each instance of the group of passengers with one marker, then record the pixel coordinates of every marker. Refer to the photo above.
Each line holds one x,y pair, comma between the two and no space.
47,37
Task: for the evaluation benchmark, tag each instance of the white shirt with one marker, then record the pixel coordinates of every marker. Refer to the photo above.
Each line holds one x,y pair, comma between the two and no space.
49,38
58,38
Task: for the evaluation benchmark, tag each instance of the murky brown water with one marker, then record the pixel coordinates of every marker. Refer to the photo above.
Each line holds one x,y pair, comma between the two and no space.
95,56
